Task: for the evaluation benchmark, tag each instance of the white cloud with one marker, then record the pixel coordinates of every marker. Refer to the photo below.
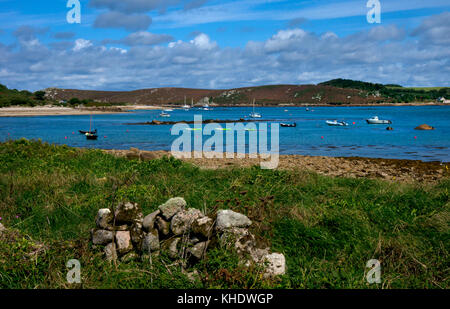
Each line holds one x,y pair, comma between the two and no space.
81,44
202,41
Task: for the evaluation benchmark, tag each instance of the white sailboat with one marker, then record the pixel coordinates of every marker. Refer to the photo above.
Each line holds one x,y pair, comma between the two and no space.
185,106
253,114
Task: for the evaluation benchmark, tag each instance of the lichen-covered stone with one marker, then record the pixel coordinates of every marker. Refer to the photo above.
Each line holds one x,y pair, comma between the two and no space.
172,206
151,242
104,218
123,242
110,252
182,221
172,247
276,265
137,235
130,256
228,219
102,237
203,226
199,249
149,221
127,213
163,226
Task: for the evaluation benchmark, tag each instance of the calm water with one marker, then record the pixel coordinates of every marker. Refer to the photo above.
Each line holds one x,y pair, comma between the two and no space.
311,136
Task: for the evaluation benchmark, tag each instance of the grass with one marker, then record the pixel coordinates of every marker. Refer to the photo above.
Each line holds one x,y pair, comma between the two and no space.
328,228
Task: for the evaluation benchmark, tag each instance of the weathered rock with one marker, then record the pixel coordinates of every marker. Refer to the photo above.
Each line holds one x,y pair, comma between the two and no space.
172,206
182,221
130,256
390,128
104,218
132,155
228,219
203,226
151,242
258,254
149,221
123,242
110,252
199,249
173,247
137,235
424,127
163,226
276,265
135,150
147,156
102,237
128,213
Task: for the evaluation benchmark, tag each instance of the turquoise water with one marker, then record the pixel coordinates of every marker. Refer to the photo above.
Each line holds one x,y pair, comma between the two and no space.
311,136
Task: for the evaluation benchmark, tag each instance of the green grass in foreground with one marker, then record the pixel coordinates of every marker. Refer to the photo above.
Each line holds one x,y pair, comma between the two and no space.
328,228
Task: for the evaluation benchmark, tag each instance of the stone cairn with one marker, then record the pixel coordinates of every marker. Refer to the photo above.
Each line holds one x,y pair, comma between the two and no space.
184,234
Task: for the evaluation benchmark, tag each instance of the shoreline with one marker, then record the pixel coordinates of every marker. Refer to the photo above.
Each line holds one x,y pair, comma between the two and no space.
402,170
48,110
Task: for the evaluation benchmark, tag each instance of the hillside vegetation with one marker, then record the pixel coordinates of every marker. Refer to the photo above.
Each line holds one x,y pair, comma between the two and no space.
14,97
328,228
395,93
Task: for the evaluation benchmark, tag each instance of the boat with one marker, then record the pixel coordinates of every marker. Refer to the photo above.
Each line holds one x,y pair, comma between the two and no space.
90,134
168,110
163,114
185,106
336,123
376,120
206,107
288,125
253,114
85,132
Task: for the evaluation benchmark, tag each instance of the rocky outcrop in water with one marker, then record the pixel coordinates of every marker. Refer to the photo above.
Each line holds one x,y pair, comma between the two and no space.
184,234
424,127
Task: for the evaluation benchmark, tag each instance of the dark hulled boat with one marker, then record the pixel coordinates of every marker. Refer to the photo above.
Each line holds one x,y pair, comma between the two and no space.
288,125
87,132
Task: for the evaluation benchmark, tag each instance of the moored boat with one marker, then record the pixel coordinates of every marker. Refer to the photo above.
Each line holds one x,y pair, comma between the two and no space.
336,123
288,125
376,120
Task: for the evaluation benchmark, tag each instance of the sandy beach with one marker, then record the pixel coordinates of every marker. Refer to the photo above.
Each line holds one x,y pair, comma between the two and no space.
49,110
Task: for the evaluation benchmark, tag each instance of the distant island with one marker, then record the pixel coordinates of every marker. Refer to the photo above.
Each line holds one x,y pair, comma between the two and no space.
334,92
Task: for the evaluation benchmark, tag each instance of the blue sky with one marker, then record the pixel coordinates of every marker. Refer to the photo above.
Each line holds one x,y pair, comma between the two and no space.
132,44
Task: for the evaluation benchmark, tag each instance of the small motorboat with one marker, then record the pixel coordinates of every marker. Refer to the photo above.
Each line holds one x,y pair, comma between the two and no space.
336,123
168,110
91,136
288,125
376,120
255,115
163,114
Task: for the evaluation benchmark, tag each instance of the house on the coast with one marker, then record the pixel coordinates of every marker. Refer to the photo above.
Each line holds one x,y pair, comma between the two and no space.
443,100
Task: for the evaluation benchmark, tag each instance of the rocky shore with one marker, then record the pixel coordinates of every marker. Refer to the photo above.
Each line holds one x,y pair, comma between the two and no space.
353,167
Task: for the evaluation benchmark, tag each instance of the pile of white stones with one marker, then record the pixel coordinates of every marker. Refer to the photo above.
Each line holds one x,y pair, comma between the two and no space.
183,234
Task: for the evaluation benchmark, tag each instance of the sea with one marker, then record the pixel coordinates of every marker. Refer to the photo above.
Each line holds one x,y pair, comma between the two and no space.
311,136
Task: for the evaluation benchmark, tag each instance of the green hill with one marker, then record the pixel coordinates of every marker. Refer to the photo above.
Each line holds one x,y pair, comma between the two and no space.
395,93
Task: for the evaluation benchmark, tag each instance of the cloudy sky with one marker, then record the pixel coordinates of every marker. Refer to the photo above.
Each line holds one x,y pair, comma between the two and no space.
133,44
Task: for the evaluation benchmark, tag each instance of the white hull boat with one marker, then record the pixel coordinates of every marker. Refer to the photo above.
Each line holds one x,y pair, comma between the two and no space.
376,120
336,123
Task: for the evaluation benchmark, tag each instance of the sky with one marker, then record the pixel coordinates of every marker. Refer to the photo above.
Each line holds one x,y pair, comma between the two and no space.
136,44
